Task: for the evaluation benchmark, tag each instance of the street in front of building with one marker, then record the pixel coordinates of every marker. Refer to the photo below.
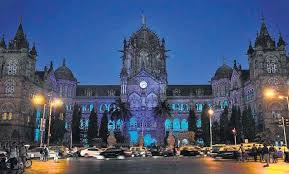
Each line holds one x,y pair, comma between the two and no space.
169,165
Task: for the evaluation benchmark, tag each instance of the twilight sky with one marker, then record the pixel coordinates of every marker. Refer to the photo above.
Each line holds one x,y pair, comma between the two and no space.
199,33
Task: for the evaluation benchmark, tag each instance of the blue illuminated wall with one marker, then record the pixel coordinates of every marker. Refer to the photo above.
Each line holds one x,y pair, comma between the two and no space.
37,126
133,136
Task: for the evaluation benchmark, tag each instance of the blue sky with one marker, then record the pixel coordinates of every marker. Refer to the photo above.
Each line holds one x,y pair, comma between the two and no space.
199,33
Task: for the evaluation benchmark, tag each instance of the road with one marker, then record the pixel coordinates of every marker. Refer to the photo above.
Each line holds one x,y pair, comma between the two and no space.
171,165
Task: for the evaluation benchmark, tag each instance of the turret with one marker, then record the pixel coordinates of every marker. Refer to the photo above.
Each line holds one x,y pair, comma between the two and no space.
51,67
33,51
2,43
19,40
250,50
264,40
281,43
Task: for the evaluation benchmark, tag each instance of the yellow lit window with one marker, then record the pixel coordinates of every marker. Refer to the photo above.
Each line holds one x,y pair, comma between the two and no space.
4,116
10,116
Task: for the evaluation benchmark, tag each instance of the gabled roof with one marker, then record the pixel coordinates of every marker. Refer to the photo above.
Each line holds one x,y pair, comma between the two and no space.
189,90
245,75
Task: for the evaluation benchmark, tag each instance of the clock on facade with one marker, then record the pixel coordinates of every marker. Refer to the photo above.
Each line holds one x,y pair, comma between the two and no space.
143,84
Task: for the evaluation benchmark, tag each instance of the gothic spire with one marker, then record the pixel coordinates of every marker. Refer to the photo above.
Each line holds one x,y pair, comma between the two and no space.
2,42
264,39
250,49
20,40
51,66
33,51
63,62
263,30
281,41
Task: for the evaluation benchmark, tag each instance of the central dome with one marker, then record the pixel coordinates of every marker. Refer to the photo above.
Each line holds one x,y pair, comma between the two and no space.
64,73
144,37
223,72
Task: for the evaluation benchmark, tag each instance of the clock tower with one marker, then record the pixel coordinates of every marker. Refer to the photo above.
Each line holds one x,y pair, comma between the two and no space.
143,83
268,69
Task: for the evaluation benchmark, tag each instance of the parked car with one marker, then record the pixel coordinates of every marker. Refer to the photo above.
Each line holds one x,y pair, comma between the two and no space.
113,153
2,151
168,152
156,151
191,151
215,149
228,152
35,153
90,152
140,152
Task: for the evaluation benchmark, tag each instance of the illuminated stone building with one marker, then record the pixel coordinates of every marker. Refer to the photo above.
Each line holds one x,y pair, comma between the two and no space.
143,83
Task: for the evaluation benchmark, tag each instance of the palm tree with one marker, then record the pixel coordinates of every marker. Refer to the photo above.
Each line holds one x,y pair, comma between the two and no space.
163,110
121,111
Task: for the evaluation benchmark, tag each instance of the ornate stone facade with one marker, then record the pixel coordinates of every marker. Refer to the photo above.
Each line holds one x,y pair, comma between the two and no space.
143,83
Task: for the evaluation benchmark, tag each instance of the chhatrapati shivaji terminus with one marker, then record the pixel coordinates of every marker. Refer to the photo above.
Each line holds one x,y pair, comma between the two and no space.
143,89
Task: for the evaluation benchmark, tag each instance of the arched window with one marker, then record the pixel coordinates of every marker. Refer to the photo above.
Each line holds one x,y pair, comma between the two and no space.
133,135
111,125
271,65
199,123
12,67
118,124
133,122
168,124
184,125
176,124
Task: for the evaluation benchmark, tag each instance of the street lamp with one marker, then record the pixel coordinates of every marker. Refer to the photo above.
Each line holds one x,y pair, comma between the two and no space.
211,112
234,131
271,93
40,100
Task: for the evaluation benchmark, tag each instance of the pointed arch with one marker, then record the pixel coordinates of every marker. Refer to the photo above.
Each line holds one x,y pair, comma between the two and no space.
176,124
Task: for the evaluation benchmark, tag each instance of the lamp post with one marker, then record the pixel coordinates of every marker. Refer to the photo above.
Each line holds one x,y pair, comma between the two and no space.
56,102
40,100
211,112
270,93
235,135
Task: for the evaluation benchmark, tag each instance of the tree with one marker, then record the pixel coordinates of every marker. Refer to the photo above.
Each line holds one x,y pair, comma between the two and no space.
205,125
162,111
103,131
57,127
235,122
216,132
75,124
224,126
248,124
192,121
92,130
121,111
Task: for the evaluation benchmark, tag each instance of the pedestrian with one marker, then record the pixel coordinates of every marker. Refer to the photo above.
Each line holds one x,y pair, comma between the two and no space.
265,152
14,154
254,152
75,152
41,154
22,152
242,153
46,153
271,153
56,157
259,150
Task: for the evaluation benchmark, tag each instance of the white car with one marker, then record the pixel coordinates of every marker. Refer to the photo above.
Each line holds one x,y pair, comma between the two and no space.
90,152
35,153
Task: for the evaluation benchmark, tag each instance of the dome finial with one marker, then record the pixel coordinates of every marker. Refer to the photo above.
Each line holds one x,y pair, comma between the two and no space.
143,19
224,61
63,62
